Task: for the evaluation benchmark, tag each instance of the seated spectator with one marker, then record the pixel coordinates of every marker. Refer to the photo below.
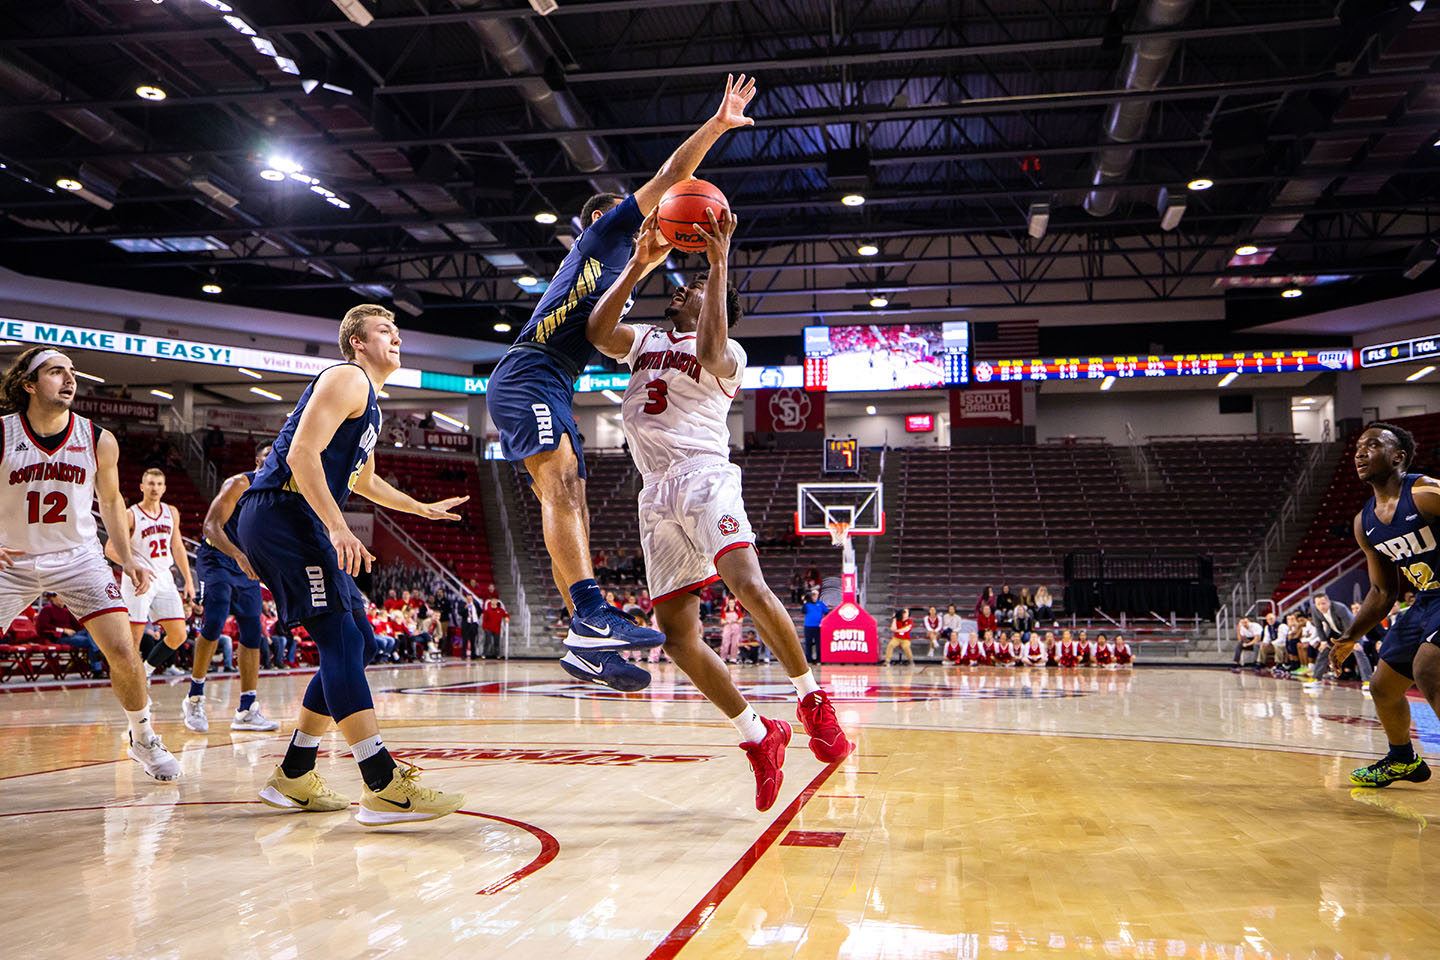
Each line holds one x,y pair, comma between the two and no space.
932,631
1247,637
901,627
750,648
1005,604
987,599
601,563
985,619
632,606
708,600
56,624
1271,649
1044,607
797,588
1309,642
1021,619
627,567
1025,598
393,602
950,624
644,602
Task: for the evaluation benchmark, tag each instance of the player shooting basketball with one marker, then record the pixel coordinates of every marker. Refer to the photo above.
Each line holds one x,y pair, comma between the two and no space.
693,527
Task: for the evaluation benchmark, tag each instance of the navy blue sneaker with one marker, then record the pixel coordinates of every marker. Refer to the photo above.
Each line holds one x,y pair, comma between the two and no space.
610,630
606,669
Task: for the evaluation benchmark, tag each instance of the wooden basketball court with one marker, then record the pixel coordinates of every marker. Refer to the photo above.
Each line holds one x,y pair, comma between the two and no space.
986,812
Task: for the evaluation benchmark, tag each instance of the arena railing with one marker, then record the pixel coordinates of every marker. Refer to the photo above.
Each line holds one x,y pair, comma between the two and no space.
426,557
1300,595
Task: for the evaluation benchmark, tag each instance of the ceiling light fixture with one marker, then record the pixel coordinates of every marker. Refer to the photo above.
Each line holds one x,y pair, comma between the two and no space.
611,395
867,249
355,11
1299,409
1246,250
870,410
249,373
545,217
336,201
382,394
526,280
1292,293
502,327
1418,374
1200,183
267,394
1038,220
162,394
458,425
65,183
271,174
149,92
285,164
212,288
91,376
1107,383
239,24
1228,379
853,200
879,302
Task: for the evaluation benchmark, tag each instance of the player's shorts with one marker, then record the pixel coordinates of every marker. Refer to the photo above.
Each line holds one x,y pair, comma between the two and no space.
289,547
161,602
530,399
687,522
80,576
1418,625
223,586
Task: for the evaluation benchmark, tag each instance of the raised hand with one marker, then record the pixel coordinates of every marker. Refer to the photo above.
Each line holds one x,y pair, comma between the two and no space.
651,247
440,509
738,94
717,238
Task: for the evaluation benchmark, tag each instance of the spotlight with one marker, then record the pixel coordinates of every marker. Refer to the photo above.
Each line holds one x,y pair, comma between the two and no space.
870,410
879,301
867,249
211,288
285,164
502,327
65,183
147,92
1247,250
1200,183
271,174
853,200
545,217
1038,219
527,280
1292,293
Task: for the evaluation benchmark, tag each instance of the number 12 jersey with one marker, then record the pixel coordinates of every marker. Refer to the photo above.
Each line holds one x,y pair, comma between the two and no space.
48,492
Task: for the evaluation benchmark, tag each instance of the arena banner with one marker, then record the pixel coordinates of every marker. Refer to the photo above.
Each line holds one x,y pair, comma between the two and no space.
114,408
228,418
449,441
997,406
362,524
789,410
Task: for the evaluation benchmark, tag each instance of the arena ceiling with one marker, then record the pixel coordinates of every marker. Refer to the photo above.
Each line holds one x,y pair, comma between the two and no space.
438,130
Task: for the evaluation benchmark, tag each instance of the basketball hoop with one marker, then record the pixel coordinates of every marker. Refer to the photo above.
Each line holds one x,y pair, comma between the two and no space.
839,531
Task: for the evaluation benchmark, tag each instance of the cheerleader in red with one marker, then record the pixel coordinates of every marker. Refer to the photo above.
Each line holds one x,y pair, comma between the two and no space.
1052,650
1085,649
1033,653
1003,651
1123,655
1104,653
1067,657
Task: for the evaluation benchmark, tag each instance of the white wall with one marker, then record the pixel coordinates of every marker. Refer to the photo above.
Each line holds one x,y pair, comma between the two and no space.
888,428
1387,398
1060,415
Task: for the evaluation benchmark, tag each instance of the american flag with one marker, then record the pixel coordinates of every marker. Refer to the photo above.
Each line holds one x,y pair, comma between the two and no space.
1005,340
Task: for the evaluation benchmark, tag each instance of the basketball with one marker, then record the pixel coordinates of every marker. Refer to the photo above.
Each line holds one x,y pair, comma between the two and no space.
684,205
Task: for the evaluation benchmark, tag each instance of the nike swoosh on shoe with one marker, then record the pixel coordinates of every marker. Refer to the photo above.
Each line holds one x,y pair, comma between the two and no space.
598,631
303,803
402,806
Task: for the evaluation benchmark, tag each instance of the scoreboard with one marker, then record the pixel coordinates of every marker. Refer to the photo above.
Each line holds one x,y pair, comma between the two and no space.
1178,365
842,455
1421,348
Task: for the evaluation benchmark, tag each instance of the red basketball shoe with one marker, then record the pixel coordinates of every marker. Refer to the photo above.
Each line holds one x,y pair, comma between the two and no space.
817,716
766,759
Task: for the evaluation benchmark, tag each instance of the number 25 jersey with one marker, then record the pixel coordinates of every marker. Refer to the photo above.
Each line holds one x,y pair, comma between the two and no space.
48,492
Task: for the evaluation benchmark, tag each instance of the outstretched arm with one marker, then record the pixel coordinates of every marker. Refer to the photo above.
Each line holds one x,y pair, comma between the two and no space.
603,328
711,336
686,158
377,490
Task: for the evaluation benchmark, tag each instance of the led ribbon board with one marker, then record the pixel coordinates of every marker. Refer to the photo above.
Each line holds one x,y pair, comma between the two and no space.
1421,348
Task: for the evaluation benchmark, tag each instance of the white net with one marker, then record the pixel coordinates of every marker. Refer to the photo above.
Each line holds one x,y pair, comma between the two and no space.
839,531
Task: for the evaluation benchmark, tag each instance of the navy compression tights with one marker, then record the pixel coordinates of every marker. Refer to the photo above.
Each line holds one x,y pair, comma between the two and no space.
346,644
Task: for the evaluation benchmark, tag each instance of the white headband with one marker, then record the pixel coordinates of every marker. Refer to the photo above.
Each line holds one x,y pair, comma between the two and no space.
40,358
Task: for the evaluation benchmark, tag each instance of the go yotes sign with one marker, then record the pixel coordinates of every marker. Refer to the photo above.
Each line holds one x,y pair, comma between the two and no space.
789,410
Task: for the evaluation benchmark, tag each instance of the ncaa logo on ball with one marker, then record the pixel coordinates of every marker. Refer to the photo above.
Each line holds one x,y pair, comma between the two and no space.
729,526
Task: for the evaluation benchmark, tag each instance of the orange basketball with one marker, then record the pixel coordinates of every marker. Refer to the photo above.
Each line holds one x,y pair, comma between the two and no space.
684,205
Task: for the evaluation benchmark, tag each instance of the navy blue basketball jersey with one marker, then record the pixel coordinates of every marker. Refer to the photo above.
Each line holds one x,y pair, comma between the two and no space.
1408,539
342,458
588,270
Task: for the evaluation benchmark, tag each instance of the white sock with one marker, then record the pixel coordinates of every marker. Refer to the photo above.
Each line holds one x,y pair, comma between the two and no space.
747,724
149,669
805,684
365,749
140,729
303,740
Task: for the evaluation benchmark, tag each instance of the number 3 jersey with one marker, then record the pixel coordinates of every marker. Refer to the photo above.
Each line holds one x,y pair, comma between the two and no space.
674,409
49,490
1408,539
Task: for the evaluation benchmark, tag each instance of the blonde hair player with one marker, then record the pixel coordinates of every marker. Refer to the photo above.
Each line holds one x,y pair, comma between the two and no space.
155,543
57,463
693,527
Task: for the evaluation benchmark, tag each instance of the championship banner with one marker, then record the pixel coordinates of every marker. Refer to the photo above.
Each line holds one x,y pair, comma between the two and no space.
449,441
789,410
113,408
998,406
228,418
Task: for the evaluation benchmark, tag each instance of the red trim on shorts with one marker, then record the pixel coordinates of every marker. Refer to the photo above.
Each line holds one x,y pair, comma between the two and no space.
169,620
91,616
694,586
733,546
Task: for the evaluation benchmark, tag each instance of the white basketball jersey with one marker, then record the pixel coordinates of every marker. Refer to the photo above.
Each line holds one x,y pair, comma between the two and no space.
674,409
48,494
150,541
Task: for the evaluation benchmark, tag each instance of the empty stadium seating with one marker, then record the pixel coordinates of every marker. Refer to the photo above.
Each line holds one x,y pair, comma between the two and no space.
461,546
1330,537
